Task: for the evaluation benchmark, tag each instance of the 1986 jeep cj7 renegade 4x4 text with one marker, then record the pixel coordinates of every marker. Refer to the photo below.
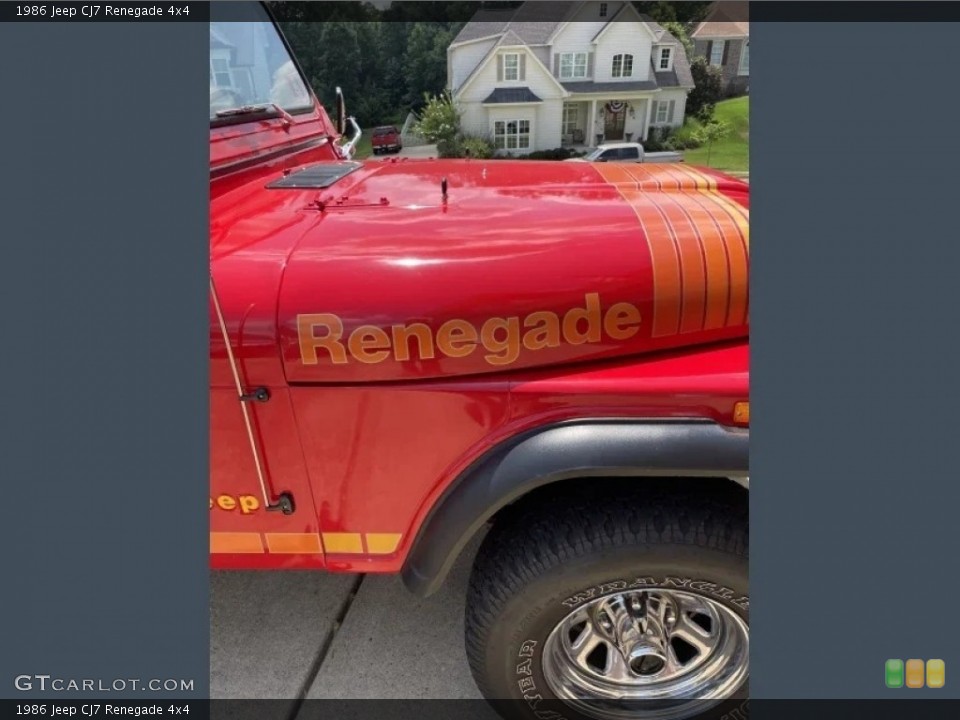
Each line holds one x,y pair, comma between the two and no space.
405,353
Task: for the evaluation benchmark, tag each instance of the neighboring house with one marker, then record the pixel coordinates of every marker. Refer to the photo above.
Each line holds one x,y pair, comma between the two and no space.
238,63
595,71
724,39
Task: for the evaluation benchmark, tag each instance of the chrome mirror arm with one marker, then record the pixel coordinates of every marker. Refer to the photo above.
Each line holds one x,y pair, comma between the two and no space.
348,147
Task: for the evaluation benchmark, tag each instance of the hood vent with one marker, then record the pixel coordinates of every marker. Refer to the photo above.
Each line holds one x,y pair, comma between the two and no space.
322,175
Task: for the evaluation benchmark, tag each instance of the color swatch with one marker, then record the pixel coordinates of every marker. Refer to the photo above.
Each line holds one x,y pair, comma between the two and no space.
894,673
914,673
936,673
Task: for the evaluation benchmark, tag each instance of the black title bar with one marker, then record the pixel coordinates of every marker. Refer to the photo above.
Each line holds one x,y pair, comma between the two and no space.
169,11
764,11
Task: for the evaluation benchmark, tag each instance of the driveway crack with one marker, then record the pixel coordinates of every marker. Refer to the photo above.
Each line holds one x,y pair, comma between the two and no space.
325,647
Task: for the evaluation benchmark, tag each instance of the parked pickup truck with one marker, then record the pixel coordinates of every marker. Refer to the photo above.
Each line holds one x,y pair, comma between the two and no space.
549,358
386,138
627,152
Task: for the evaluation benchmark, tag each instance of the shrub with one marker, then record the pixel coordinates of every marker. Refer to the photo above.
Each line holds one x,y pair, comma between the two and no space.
476,147
657,139
449,148
560,153
439,119
684,138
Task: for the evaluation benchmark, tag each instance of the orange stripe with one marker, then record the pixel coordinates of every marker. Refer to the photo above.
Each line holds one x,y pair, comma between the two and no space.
739,213
351,543
704,213
382,543
289,543
651,179
701,277
665,259
235,542
647,179
692,263
733,222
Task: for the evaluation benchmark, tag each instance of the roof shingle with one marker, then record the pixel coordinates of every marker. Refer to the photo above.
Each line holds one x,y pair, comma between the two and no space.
533,23
512,95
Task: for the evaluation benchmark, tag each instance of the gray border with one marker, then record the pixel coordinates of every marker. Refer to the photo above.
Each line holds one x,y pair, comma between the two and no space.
855,371
103,289
104,327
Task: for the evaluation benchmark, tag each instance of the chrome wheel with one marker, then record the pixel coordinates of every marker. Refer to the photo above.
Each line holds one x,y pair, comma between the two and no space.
652,653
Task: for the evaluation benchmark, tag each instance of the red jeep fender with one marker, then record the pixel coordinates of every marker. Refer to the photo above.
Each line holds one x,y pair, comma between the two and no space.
574,449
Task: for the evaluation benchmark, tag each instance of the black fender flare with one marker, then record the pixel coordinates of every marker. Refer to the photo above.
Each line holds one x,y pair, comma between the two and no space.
583,448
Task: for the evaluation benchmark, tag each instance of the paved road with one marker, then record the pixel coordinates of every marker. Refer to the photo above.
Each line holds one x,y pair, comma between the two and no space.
291,635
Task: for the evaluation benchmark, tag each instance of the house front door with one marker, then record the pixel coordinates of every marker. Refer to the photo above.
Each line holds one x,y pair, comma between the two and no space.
614,117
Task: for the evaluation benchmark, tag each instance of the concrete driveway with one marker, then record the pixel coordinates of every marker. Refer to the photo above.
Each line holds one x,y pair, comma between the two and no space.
418,151
302,635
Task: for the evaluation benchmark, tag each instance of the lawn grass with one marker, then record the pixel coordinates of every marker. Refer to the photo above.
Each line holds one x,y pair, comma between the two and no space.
733,151
364,149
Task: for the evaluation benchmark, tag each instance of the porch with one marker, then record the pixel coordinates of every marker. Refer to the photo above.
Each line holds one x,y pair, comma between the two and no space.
590,122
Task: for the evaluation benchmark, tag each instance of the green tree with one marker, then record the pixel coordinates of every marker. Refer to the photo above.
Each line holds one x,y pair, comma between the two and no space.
683,12
679,31
707,90
710,133
384,59
394,42
425,61
339,63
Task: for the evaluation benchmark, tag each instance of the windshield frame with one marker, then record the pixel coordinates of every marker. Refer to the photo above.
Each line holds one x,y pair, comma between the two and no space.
269,113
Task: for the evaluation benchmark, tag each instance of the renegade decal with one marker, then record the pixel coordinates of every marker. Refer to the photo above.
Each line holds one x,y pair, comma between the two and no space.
500,338
700,270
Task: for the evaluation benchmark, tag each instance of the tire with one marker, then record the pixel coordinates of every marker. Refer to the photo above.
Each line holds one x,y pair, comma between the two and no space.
617,553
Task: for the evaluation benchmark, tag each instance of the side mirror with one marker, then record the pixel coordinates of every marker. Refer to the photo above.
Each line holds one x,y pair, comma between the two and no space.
348,147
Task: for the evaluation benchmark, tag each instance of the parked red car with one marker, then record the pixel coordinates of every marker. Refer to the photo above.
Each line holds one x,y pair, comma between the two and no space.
386,138
405,355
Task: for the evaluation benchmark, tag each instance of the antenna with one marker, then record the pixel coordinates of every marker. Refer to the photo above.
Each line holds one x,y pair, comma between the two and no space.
285,500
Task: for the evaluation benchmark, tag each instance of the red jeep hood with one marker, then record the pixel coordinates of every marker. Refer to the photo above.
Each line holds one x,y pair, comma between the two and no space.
525,264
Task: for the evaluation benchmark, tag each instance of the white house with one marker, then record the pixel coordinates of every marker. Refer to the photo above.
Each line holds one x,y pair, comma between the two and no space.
550,74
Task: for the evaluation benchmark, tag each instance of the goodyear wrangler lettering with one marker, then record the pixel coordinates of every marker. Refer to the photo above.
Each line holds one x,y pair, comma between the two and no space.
499,339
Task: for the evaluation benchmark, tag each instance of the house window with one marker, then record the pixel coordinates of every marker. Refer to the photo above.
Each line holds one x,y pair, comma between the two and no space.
511,134
665,58
511,66
662,109
573,65
716,53
745,58
603,9
571,118
622,65
220,73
